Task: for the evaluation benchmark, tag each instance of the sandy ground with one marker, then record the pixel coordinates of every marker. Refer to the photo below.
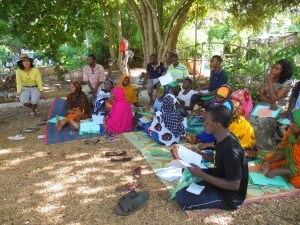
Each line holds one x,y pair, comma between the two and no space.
73,183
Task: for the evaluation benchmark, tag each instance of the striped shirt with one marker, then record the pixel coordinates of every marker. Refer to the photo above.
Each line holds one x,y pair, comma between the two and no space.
179,72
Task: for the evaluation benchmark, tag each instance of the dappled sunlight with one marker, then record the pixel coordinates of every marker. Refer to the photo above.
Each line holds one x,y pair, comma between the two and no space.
48,208
219,220
10,150
86,190
78,155
17,161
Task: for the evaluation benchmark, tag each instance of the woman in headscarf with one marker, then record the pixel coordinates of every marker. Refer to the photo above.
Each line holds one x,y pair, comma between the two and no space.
272,93
161,93
287,161
77,107
129,90
120,118
103,103
167,127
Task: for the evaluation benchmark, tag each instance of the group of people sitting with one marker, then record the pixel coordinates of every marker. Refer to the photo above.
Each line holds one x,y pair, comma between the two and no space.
229,130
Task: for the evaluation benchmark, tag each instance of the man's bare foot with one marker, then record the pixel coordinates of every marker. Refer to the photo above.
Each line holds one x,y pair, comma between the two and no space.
74,125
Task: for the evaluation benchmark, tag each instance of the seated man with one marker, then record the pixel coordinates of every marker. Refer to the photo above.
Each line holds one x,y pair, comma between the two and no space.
177,70
226,183
218,77
93,76
155,70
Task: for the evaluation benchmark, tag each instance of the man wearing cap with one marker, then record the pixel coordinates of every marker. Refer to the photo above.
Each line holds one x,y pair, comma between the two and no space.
29,84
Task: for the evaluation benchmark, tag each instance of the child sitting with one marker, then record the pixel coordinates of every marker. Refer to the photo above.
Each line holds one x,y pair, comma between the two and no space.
186,94
287,161
103,103
77,107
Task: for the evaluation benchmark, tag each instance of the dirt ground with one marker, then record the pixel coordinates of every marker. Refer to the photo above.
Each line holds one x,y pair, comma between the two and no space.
73,183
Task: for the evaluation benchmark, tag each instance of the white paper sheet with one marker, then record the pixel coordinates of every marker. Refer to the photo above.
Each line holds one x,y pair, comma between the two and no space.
204,91
195,189
178,164
188,155
144,120
98,119
170,174
166,79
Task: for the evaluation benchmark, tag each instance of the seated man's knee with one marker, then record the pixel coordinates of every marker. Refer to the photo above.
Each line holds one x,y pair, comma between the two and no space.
181,197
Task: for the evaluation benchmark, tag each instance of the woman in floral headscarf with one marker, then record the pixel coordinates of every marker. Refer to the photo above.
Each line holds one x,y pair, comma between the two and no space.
167,127
287,161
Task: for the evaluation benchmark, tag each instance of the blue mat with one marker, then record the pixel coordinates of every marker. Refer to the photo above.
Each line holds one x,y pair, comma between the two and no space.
52,136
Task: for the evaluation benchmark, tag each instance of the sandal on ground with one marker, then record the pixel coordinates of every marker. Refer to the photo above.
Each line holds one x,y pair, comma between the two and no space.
130,186
87,142
16,138
131,194
30,130
121,159
137,172
132,205
115,153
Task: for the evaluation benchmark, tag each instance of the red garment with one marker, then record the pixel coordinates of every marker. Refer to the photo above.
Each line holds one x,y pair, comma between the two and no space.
120,118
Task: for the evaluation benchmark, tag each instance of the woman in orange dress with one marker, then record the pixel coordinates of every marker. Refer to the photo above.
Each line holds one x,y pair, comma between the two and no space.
287,160
77,107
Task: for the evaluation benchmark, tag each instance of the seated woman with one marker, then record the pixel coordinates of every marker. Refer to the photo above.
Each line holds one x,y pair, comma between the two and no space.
103,103
287,161
77,107
273,92
161,93
167,127
222,98
120,117
130,92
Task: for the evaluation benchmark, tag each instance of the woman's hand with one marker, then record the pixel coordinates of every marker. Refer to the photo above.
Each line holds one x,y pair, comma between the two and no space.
270,78
264,167
196,171
43,96
174,152
274,106
17,99
272,173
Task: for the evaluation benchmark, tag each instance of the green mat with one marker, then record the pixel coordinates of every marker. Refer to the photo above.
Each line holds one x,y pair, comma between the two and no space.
158,156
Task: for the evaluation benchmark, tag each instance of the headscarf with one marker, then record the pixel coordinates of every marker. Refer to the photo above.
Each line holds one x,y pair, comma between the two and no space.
129,90
159,101
296,116
225,91
171,116
120,118
77,99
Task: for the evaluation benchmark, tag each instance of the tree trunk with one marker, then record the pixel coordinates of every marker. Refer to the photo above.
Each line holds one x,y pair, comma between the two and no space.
108,30
120,33
146,16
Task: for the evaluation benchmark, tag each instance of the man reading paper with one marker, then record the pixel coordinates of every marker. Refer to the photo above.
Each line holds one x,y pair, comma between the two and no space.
226,183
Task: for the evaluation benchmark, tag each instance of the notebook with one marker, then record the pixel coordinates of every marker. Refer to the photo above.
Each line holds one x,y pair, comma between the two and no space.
261,179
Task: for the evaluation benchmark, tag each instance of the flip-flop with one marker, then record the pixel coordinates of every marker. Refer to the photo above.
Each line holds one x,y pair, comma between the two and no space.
132,205
121,159
137,172
16,138
115,153
30,130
